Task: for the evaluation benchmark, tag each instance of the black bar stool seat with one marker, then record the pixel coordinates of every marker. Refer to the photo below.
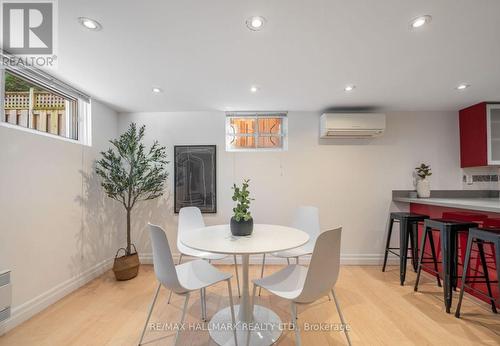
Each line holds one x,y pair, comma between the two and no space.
481,236
448,232
408,231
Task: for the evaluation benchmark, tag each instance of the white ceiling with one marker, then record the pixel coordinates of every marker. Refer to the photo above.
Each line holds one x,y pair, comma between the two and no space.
204,58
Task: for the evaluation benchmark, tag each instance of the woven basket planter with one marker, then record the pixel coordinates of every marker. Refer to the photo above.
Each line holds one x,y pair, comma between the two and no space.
126,267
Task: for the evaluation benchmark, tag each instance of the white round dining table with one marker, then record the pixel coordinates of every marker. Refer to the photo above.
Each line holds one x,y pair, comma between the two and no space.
265,326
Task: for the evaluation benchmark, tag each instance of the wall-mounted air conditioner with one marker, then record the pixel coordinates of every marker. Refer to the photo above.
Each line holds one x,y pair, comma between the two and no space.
352,125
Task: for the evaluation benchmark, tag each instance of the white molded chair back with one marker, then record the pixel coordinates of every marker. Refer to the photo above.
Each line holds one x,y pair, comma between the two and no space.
190,218
324,268
163,262
307,219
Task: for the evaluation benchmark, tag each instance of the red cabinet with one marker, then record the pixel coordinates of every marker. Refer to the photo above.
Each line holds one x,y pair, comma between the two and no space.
480,135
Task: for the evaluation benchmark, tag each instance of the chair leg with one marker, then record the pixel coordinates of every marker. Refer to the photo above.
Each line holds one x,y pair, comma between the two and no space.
182,318
203,301
434,257
497,261
295,325
388,243
404,238
414,245
337,304
237,275
170,294
262,270
464,276
231,304
486,275
422,248
149,312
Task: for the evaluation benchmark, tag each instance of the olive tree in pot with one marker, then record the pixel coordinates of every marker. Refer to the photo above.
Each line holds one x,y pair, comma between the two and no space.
131,173
242,222
423,183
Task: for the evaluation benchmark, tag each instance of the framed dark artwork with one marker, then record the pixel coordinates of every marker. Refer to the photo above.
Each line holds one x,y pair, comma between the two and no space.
195,177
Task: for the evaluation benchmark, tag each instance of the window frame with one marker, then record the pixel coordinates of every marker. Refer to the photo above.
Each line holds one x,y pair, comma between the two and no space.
82,103
256,135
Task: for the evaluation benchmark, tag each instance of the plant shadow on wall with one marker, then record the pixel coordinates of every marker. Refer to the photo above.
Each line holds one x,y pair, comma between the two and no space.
130,174
96,239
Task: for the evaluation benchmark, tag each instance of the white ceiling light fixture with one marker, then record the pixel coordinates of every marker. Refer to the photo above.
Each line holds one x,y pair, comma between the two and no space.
156,90
462,86
90,24
420,21
254,89
349,88
256,23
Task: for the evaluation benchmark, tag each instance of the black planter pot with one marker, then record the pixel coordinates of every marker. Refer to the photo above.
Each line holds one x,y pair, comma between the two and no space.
241,228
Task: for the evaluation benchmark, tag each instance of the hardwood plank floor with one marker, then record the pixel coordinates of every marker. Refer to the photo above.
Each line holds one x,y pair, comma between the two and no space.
378,310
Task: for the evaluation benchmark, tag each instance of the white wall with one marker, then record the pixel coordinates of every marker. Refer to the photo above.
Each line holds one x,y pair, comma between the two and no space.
57,229
350,181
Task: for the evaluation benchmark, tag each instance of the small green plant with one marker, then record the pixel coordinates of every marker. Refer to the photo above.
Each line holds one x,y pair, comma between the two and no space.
241,196
423,171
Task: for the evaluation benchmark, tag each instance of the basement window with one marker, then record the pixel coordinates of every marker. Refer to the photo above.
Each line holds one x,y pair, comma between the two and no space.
32,102
256,131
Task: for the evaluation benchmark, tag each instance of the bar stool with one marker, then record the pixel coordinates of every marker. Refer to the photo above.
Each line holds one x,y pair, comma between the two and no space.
408,230
465,216
448,231
480,236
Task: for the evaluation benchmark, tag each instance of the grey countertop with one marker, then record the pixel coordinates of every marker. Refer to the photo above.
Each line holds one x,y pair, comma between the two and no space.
480,204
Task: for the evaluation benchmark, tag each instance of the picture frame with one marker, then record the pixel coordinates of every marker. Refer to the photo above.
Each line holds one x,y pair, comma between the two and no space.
195,177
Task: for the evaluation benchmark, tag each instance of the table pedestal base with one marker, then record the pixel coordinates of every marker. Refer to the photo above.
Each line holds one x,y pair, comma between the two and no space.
264,331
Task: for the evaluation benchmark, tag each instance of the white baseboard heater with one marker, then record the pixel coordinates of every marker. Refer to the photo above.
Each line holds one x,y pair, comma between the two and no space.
5,295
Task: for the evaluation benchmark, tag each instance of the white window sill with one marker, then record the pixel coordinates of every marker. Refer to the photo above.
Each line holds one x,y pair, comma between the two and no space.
256,150
41,133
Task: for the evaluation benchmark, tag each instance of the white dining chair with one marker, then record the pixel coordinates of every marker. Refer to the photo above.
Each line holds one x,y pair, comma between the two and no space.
190,218
182,279
304,285
306,219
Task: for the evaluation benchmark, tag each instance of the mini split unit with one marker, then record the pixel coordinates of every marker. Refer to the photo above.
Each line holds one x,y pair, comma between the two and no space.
352,125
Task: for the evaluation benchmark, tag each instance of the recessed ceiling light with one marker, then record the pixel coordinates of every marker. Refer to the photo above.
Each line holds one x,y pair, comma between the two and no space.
349,88
90,23
463,86
254,89
420,21
156,90
256,23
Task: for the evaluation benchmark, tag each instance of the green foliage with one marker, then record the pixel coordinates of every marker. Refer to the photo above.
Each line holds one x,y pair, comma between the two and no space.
242,197
423,171
130,173
14,83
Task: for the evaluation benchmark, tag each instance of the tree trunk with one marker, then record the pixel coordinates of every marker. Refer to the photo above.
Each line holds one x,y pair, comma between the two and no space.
128,232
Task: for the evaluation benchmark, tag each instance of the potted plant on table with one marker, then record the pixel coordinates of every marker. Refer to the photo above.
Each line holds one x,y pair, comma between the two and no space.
242,221
423,183
129,175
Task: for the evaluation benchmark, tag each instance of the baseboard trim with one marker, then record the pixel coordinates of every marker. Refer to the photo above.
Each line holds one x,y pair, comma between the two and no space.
345,259
33,306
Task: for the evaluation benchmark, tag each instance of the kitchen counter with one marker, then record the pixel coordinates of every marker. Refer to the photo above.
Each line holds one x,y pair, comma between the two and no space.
480,204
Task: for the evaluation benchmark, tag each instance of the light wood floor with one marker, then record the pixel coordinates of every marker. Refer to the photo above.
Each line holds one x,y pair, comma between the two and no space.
378,309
